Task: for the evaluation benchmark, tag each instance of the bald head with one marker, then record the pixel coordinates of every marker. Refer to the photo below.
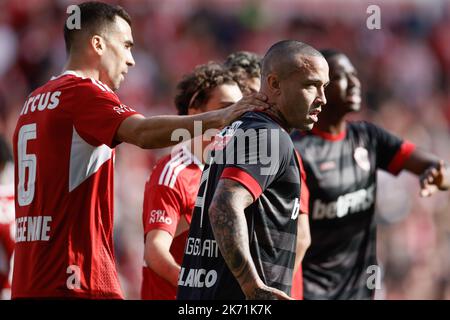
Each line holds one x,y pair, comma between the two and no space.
293,77
282,58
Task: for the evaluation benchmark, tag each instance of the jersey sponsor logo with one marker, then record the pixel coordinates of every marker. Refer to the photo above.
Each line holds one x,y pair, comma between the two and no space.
30,229
353,202
123,109
361,156
197,278
197,247
159,216
41,101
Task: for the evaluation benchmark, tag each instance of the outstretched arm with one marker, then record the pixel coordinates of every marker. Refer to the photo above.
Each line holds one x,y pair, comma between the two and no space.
156,132
433,173
229,225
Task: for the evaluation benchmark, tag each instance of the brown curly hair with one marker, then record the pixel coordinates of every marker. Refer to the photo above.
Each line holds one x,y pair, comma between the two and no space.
194,90
244,65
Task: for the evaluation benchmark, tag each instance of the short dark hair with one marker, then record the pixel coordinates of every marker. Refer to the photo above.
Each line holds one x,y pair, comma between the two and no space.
5,151
278,56
195,88
94,17
244,65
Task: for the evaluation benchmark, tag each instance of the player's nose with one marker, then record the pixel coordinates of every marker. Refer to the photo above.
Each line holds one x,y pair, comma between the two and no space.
321,98
130,61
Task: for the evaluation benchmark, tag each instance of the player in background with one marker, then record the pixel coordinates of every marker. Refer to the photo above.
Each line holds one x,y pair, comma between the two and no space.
246,66
64,154
341,159
172,188
6,217
242,239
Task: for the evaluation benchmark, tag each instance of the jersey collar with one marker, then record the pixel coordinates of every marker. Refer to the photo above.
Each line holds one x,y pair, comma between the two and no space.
329,136
275,119
65,73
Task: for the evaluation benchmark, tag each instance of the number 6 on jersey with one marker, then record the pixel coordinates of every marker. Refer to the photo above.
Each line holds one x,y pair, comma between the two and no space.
24,160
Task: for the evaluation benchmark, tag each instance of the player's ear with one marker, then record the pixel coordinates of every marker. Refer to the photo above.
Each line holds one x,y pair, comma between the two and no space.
98,44
274,84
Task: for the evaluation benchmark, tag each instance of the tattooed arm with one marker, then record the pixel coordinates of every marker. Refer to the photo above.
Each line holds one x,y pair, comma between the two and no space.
229,225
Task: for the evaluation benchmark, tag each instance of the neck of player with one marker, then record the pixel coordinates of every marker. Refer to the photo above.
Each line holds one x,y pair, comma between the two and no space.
331,121
81,68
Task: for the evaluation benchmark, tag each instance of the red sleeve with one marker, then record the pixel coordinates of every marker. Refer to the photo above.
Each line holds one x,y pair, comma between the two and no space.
99,114
304,191
398,161
162,208
243,178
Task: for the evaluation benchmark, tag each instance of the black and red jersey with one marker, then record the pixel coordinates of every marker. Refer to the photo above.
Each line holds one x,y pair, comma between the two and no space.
259,154
341,177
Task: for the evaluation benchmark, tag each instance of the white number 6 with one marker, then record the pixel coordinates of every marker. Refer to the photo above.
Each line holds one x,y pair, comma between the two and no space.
25,197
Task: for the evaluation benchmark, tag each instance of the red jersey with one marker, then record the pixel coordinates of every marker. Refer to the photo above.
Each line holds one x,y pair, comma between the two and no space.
6,233
169,199
64,152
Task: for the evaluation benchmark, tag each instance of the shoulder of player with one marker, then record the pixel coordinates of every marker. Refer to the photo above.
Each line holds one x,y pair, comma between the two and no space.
95,88
173,169
363,128
304,140
257,121
361,125
82,87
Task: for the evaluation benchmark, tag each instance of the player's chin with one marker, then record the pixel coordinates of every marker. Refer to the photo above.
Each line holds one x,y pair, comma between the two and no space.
116,85
352,107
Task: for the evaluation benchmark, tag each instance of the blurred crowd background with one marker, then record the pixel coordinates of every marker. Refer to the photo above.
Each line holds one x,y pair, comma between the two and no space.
404,68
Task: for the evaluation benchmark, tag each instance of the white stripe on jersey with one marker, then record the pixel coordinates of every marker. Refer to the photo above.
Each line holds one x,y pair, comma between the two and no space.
85,160
103,86
166,167
98,85
172,167
177,164
177,172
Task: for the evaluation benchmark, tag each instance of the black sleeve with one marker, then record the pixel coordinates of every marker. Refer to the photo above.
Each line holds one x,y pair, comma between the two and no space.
391,151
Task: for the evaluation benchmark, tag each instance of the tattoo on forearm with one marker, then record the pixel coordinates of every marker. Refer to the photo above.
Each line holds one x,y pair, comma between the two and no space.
260,294
230,228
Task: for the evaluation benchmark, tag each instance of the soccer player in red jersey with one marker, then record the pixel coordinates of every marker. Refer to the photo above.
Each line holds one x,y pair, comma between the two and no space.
341,160
172,188
6,217
64,153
